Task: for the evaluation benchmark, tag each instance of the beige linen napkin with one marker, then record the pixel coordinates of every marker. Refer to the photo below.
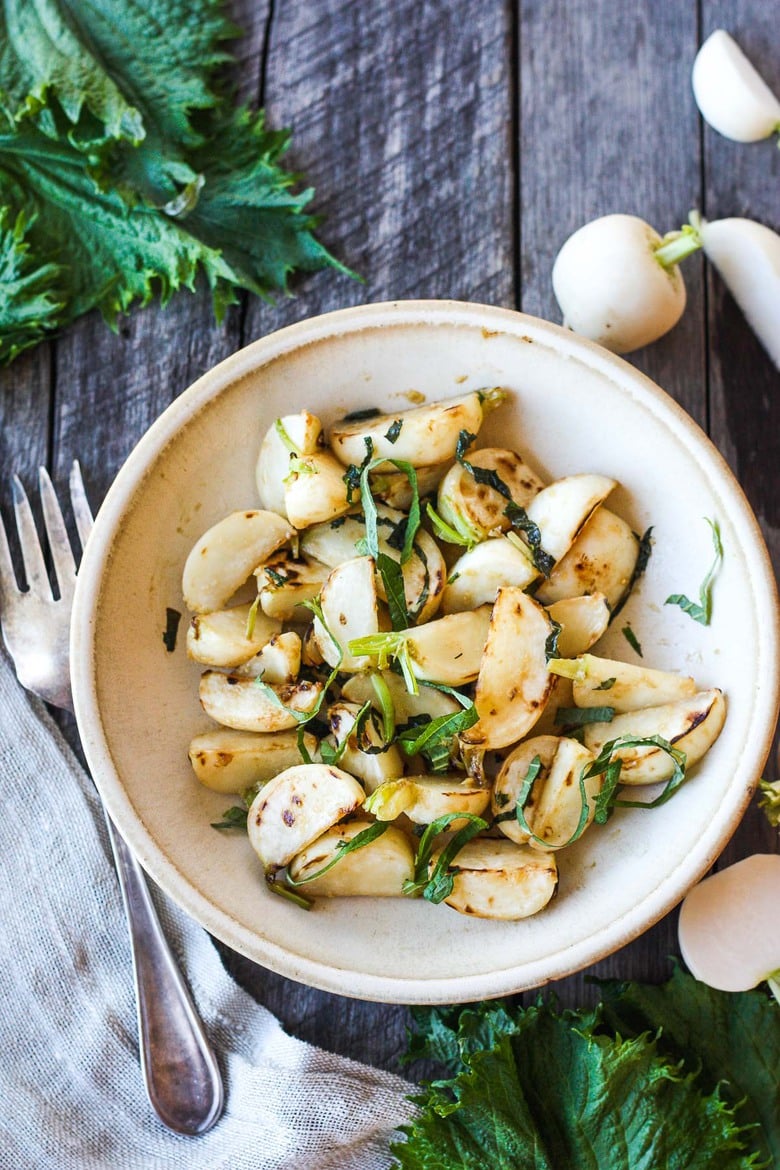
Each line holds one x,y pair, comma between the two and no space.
70,1085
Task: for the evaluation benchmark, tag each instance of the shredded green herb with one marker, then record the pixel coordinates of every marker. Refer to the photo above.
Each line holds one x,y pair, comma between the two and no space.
701,611
363,415
643,556
632,640
438,885
394,430
233,818
359,841
580,716
172,619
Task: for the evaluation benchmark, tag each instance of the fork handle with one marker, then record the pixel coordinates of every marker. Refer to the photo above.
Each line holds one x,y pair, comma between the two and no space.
180,1070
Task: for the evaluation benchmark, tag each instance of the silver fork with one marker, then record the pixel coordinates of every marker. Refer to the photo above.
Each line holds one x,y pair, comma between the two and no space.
180,1071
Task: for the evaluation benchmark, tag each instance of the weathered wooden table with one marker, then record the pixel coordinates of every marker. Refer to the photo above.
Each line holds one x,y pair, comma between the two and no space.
454,145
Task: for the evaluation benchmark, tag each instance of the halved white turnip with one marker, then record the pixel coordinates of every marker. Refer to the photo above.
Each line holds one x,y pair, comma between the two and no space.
606,682
229,637
224,557
297,807
232,761
691,724
349,607
582,620
477,576
731,94
728,926
747,257
602,559
562,508
476,510
244,705
377,870
498,879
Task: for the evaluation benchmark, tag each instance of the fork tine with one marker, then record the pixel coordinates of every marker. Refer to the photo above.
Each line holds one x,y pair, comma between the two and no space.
80,504
8,585
59,543
34,567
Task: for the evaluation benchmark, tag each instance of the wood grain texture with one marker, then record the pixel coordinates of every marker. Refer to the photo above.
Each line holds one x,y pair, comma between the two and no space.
744,180
453,147
608,124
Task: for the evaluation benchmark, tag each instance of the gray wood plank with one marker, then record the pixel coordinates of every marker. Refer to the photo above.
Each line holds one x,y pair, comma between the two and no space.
25,394
401,121
744,180
608,124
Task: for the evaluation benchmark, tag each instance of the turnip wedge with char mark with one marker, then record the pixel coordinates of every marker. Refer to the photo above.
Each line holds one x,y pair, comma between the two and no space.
731,94
513,683
226,555
728,926
422,436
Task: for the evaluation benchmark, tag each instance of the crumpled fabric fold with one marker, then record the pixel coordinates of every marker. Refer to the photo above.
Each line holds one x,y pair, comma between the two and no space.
70,1082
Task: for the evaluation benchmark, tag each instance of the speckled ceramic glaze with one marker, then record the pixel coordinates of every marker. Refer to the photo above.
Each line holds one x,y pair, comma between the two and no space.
574,408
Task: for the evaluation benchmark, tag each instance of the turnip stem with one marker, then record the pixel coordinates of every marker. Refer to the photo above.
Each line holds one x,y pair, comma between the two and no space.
773,981
675,246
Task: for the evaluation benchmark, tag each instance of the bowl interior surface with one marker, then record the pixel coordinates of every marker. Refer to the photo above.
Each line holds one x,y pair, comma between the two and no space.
573,408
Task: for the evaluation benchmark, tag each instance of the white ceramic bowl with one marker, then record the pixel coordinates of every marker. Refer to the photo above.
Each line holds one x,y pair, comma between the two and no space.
575,408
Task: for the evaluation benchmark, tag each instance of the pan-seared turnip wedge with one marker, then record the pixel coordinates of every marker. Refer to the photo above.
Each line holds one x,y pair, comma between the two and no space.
513,682
498,879
424,799
602,559
747,257
377,870
315,491
225,556
617,281
243,704
448,650
394,489
582,620
600,682
402,703
731,94
477,576
470,507
229,637
421,436
349,611
286,439
557,802
728,926
297,807
297,476
285,582
690,725
424,573
279,661
562,508
232,761
512,777
363,748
